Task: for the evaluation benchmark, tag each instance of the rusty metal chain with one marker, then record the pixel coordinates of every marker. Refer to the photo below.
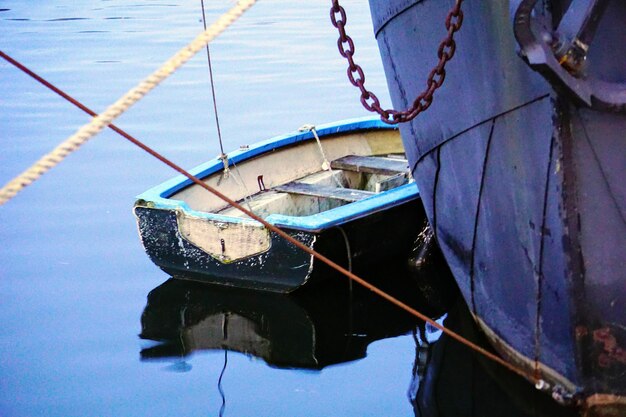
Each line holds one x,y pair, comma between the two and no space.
437,75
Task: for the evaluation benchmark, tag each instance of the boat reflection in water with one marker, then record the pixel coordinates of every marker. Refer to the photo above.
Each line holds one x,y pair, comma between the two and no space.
312,329
330,324
450,380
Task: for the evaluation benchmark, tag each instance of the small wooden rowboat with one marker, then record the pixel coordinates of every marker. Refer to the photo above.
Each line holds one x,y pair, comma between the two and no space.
347,195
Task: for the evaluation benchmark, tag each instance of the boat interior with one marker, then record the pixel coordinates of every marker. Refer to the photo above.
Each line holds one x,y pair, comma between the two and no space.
307,178
350,178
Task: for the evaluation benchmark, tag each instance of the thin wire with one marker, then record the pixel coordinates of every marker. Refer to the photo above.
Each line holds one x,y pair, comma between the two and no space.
350,290
240,182
208,56
349,253
219,384
284,235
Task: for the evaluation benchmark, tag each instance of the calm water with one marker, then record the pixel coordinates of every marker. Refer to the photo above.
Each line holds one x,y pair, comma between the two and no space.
77,332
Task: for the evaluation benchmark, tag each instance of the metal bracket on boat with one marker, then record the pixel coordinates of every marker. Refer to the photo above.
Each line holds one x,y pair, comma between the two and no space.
560,55
259,180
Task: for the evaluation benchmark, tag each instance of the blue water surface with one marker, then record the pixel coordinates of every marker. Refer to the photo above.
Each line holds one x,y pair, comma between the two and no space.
73,275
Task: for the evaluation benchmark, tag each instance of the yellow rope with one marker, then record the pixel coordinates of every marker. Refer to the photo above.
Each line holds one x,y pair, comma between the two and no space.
101,121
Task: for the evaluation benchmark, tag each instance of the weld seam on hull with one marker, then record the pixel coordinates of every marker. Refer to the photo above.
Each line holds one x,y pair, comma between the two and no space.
456,135
480,194
540,277
599,164
435,187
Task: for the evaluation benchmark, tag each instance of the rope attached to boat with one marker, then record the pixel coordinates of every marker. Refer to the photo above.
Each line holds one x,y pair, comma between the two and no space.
512,367
311,128
325,163
99,122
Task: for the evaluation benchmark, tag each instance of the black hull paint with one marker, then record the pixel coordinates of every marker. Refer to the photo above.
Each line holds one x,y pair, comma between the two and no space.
524,189
284,267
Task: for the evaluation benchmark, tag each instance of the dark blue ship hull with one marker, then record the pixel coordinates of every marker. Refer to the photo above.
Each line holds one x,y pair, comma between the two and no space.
524,185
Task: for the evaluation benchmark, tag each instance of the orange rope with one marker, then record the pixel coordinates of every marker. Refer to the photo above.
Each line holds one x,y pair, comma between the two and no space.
279,232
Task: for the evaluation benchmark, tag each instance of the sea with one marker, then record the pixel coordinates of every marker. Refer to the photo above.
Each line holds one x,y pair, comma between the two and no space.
90,327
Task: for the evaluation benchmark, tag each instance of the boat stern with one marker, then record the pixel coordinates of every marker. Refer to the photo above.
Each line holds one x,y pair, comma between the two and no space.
226,251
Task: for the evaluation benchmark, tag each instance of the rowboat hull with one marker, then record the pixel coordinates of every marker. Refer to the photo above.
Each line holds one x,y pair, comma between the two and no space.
524,189
193,235
284,267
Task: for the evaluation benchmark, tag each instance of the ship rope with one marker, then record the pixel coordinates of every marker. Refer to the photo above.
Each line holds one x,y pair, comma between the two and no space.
99,122
98,126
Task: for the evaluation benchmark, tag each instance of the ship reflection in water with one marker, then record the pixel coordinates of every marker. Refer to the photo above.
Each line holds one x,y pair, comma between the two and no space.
449,380
331,324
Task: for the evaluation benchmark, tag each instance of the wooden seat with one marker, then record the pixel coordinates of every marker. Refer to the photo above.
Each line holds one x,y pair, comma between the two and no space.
326,191
371,164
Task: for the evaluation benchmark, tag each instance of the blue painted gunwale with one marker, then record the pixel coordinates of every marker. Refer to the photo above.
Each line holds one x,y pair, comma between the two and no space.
159,196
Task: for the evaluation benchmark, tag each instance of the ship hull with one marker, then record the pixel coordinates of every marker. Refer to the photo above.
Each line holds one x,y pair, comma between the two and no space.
524,189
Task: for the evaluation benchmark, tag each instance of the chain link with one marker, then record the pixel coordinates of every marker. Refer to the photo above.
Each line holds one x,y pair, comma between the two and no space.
437,76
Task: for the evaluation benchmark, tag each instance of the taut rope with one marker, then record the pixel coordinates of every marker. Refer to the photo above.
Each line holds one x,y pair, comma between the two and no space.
284,235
